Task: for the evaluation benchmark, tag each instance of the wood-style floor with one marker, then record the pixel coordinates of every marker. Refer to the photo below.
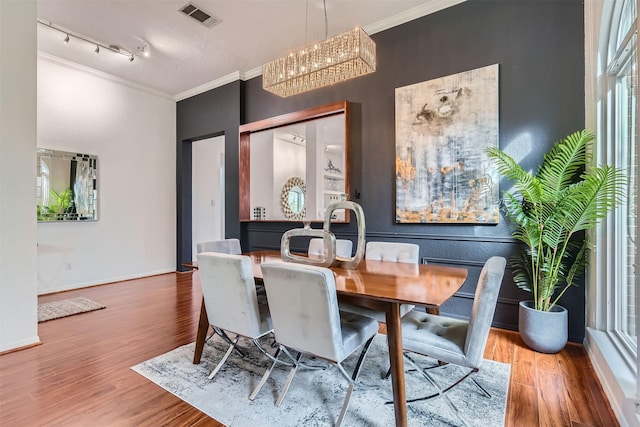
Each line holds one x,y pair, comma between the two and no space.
80,374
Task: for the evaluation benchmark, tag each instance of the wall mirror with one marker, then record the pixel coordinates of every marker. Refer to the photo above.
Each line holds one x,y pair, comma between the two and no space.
292,198
66,186
295,165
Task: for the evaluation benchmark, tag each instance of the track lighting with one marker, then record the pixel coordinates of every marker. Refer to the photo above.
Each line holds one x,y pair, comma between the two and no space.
140,50
297,138
144,50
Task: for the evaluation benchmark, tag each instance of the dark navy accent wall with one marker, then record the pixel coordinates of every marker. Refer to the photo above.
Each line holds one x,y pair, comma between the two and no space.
540,48
213,113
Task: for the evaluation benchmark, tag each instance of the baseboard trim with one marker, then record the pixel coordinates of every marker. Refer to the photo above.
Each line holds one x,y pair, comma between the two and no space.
108,282
617,379
20,347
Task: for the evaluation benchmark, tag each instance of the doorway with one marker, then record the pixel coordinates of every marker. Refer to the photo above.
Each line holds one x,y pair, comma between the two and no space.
207,184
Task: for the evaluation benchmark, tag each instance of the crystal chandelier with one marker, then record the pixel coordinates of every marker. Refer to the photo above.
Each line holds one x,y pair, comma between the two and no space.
334,60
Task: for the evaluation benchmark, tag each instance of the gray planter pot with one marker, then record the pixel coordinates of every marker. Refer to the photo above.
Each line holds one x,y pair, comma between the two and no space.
543,331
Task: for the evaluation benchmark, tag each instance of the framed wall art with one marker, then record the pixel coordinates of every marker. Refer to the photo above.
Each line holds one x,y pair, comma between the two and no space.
443,127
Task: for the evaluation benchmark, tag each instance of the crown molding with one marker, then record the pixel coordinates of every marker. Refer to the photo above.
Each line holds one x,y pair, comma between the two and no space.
229,78
425,9
254,72
393,21
101,74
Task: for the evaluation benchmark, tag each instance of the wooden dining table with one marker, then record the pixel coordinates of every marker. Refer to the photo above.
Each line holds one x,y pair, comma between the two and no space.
381,285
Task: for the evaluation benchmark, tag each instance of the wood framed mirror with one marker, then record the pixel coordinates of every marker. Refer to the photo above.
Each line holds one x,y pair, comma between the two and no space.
310,147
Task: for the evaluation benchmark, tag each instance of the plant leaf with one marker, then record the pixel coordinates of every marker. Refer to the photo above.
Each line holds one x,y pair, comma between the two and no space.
551,210
563,162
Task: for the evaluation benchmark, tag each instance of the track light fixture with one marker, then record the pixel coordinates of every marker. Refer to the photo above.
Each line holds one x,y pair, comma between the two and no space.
298,138
140,50
144,50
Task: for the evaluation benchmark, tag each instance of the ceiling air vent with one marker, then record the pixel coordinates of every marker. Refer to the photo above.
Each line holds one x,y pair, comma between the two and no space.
199,15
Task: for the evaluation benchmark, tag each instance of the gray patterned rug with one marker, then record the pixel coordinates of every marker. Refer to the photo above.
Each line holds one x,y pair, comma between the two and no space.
316,396
66,307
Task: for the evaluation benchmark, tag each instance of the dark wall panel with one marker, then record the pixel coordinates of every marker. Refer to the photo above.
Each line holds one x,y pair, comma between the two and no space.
540,48
213,113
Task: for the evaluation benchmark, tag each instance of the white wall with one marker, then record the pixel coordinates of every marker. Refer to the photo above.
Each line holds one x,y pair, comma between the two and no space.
207,191
132,131
18,295
261,166
288,162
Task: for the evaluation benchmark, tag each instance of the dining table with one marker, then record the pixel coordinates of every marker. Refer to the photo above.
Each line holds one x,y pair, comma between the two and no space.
380,285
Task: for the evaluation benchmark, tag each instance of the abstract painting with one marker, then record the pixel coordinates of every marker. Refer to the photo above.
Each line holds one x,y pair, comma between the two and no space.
443,127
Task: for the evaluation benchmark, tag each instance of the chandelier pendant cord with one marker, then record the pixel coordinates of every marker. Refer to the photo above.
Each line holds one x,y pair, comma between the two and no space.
306,22
326,22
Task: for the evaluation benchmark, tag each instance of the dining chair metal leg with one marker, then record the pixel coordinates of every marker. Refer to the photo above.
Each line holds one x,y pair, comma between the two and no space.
363,353
345,405
388,374
429,378
292,373
265,377
440,392
352,380
228,340
484,391
456,410
224,359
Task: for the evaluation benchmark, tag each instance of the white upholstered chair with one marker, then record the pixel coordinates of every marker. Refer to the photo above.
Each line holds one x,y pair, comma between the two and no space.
229,246
343,247
304,310
393,251
226,246
386,251
232,304
455,341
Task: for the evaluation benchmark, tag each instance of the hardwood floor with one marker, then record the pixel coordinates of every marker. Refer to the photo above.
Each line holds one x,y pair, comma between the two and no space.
80,374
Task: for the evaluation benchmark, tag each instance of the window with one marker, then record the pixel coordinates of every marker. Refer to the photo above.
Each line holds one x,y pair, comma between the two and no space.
613,293
626,157
619,126
46,184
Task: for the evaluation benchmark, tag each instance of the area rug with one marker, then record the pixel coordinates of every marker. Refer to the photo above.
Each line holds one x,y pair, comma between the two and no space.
316,396
66,307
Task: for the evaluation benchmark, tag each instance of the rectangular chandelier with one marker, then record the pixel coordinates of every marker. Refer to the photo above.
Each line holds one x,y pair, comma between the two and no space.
334,60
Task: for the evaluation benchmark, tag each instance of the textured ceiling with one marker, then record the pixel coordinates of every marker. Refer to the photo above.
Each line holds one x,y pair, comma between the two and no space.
186,55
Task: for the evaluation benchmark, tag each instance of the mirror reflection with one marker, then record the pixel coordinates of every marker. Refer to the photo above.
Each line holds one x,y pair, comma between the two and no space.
310,152
295,200
66,186
292,198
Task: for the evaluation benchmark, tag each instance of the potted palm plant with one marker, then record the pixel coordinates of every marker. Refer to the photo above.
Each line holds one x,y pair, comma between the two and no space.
551,211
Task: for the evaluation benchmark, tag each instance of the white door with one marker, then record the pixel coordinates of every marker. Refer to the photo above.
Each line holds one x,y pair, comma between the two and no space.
207,220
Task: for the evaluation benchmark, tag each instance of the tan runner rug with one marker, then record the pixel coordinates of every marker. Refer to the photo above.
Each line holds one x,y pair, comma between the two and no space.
66,307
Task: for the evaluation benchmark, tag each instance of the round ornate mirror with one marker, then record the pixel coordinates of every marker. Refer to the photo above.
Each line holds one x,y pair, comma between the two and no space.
292,198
